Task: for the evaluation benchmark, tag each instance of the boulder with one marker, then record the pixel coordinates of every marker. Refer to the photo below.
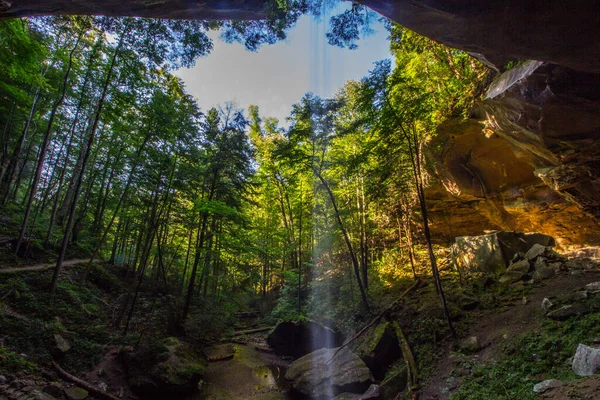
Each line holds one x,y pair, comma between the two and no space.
378,348
470,345
586,361
492,253
593,287
546,385
547,304
38,395
168,369
320,375
568,311
540,262
61,347
535,251
53,389
372,393
511,277
556,266
297,339
577,296
543,273
520,266
76,393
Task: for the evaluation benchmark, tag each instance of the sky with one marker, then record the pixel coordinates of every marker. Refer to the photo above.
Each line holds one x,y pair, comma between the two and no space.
277,76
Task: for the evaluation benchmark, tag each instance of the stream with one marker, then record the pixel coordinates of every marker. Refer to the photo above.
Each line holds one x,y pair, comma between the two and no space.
249,375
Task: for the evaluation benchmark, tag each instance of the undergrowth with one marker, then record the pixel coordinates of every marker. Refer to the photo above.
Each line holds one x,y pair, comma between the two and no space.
533,357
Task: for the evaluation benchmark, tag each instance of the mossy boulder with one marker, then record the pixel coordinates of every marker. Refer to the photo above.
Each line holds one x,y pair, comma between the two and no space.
378,348
167,368
76,393
324,374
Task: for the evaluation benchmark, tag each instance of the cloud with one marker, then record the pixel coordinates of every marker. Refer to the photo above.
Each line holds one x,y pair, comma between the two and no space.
277,76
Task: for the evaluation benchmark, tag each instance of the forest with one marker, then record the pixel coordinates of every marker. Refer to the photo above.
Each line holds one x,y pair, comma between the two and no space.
111,176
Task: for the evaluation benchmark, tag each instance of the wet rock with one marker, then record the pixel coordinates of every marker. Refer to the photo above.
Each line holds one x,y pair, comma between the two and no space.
76,393
378,348
543,273
372,393
297,339
568,311
320,375
586,361
103,386
522,266
470,345
546,385
348,396
547,304
167,369
3,380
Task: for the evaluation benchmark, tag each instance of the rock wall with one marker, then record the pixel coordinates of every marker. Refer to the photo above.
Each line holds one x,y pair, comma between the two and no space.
527,159
557,31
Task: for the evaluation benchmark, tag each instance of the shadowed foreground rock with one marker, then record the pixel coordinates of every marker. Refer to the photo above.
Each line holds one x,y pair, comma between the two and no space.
167,370
318,376
296,339
378,348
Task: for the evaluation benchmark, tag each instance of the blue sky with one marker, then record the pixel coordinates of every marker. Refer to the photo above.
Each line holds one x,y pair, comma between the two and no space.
277,76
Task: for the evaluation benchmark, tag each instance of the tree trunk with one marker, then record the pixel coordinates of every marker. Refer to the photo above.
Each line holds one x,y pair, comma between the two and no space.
44,148
417,174
7,177
361,288
90,143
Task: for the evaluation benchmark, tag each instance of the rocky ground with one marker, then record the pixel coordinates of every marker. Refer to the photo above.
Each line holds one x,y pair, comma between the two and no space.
563,293
520,332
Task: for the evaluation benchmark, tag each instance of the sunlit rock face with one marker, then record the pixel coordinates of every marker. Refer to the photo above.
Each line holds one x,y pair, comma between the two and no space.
528,159
557,31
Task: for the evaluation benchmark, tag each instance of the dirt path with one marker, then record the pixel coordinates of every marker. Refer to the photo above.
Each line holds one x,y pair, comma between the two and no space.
494,327
42,267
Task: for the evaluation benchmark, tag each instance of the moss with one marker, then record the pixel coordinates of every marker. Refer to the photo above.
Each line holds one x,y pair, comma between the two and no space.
13,362
171,341
373,339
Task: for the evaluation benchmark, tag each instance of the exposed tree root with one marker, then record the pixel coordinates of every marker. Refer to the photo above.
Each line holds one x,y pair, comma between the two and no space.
83,384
